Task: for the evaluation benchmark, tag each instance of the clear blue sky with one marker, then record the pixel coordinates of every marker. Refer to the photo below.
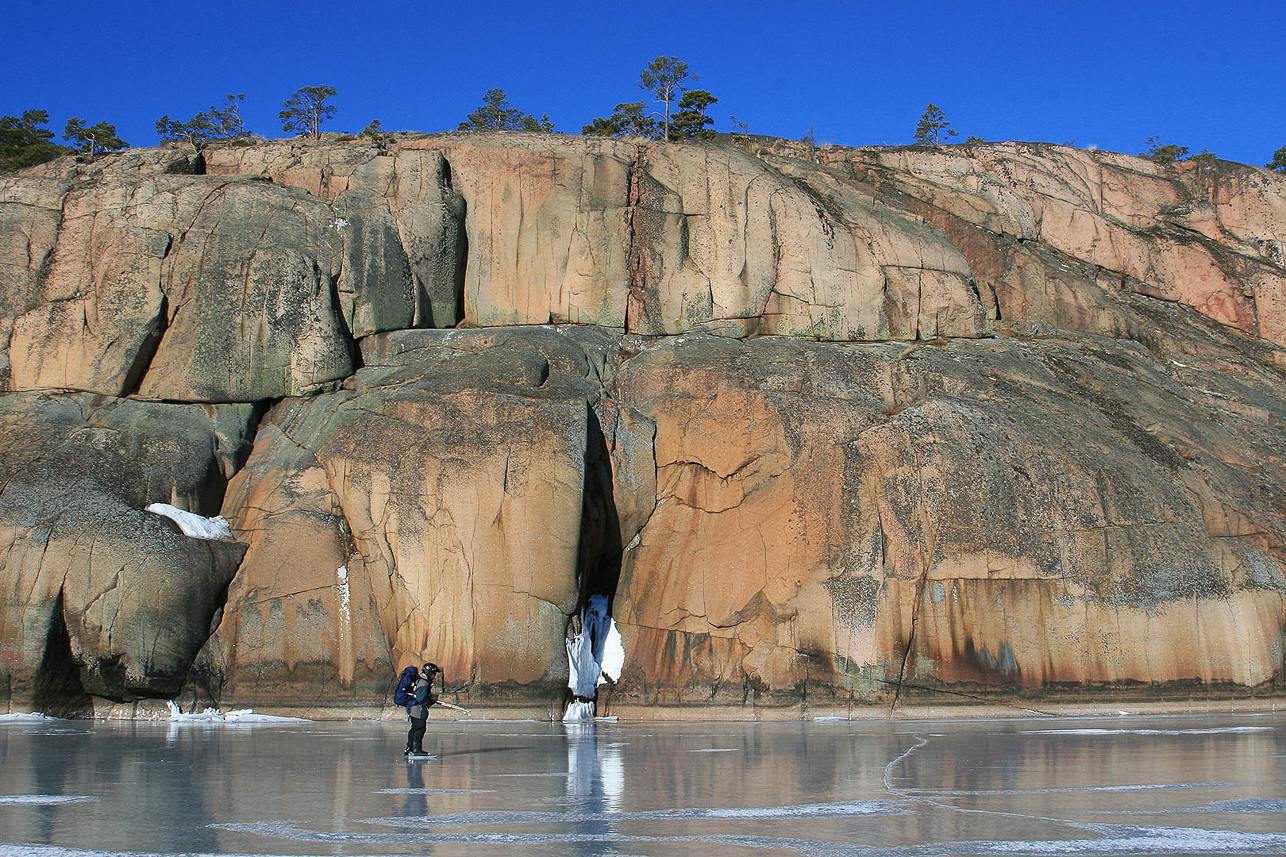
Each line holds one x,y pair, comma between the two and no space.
1108,74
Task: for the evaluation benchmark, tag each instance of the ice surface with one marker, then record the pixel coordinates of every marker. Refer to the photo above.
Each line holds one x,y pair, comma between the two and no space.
193,525
1173,786
1100,731
43,800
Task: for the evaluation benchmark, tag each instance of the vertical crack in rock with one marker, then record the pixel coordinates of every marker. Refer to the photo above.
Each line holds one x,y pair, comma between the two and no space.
635,301
147,349
57,689
344,328
930,534
599,554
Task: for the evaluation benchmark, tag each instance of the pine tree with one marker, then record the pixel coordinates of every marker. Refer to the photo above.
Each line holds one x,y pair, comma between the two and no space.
627,120
93,138
218,123
934,129
197,131
1163,153
1279,160
496,114
664,77
306,110
691,120
227,119
23,143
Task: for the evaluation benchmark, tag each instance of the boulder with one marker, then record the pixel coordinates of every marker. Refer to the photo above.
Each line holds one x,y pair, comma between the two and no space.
250,292
96,595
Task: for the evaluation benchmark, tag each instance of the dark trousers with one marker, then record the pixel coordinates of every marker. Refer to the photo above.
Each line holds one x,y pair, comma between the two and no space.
415,738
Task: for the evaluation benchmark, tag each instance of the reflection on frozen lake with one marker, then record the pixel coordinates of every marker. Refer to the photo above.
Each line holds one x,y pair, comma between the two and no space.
1119,786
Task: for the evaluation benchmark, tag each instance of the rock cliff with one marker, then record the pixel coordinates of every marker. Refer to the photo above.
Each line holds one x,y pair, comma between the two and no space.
831,428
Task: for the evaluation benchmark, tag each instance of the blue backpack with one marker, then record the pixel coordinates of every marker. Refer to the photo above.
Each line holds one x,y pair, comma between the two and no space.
405,681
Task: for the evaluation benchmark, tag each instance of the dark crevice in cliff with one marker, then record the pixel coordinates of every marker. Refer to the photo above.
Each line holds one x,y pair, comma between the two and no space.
188,165
461,267
599,552
638,263
57,689
147,349
345,329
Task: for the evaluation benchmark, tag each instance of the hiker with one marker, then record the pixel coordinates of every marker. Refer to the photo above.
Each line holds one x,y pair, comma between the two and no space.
417,708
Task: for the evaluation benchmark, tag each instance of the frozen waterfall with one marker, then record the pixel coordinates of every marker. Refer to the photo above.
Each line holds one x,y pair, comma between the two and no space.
595,655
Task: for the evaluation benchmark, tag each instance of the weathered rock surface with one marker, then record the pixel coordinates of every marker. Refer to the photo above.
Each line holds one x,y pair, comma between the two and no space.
195,288
407,188
831,426
835,520
98,595
1114,220
434,507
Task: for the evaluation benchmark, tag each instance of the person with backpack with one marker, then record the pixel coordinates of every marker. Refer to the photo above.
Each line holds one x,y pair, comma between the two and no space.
415,691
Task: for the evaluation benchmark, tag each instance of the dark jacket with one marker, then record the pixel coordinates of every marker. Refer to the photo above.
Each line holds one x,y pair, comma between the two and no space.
423,697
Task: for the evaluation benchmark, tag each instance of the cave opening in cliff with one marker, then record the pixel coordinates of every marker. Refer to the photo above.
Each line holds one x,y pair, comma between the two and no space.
57,689
592,639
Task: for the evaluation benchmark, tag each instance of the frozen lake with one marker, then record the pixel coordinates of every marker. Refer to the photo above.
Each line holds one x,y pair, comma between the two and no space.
1044,786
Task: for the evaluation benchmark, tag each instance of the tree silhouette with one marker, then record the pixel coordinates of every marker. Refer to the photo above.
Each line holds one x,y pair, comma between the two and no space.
496,114
934,129
627,120
664,77
93,138
23,143
1163,153
306,110
1279,160
691,120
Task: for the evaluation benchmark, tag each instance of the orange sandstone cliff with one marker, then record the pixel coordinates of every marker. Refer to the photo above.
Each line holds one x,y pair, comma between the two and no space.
830,428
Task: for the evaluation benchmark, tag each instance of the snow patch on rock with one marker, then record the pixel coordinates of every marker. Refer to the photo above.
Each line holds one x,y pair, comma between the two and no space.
192,524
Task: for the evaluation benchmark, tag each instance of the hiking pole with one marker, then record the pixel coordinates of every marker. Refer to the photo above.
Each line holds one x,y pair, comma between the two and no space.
449,705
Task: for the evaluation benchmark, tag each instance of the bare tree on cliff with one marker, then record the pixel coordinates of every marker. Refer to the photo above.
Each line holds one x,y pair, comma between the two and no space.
93,138
665,77
934,129
306,110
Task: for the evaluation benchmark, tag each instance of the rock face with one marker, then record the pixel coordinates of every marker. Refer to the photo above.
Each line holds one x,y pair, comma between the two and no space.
99,595
988,512
829,427
436,504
